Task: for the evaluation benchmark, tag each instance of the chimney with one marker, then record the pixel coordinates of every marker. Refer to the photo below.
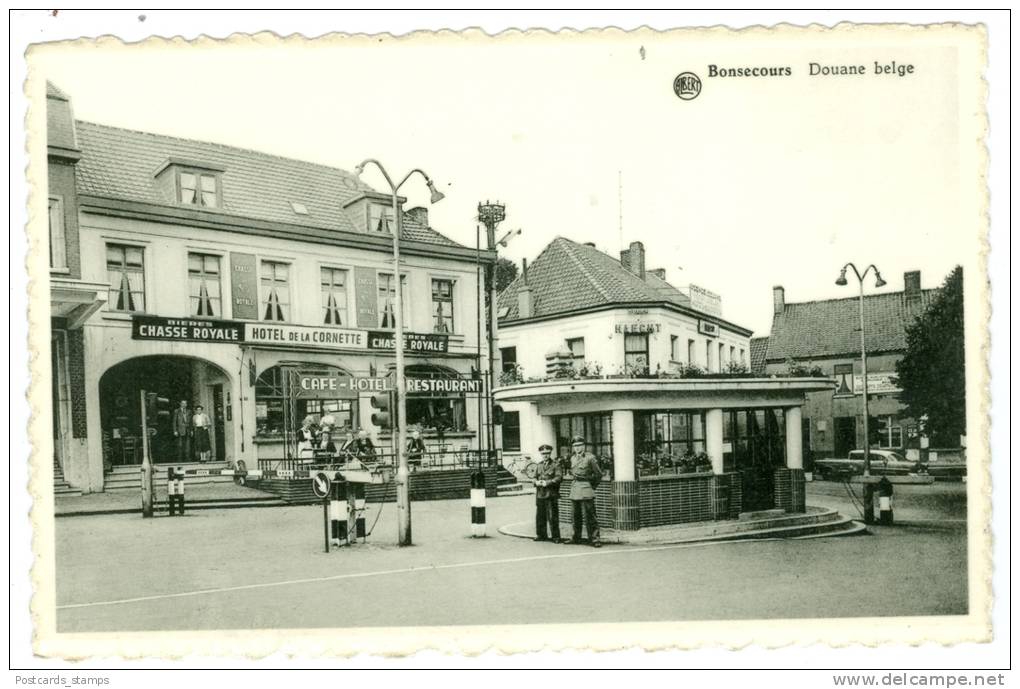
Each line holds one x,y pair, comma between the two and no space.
419,215
912,284
637,259
524,293
659,273
778,299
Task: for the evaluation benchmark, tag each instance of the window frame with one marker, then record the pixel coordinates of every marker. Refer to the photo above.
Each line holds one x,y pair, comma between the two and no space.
219,281
387,210
889,424
511,431
347,293
288,316
645,351
504,360
199,173
576,360
111,299
405,299
55,211
452,301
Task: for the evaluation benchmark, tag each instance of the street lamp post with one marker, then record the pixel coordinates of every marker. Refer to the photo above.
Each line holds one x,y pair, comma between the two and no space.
879,282
403,487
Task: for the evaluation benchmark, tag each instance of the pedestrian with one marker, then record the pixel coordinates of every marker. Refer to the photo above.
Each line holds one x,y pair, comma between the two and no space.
586,475
364,449
548,475
415,449
306,439
181,423
200,432
327,424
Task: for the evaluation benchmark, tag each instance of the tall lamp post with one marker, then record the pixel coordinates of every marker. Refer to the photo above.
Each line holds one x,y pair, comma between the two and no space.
879,282
403,488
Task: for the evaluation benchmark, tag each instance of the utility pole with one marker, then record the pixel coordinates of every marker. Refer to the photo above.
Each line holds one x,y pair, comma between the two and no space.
146,462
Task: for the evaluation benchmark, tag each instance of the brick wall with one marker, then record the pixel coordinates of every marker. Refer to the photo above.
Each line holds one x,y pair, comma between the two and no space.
61,183
677,499
789,489
603,503
76,377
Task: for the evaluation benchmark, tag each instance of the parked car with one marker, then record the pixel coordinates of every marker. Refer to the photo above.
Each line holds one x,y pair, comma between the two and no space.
883,463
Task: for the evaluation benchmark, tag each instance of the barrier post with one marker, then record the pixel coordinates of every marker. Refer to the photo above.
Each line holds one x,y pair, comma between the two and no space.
885,510
325,520
478,504
338,509
146,465
358,509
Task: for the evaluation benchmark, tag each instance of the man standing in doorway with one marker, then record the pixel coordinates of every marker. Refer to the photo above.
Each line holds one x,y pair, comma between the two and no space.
182,431
548,475
586,475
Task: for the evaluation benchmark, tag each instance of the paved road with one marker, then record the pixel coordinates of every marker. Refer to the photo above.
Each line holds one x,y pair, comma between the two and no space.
264,568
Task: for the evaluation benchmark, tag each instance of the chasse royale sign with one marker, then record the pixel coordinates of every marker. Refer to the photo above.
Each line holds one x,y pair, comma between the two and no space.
279,334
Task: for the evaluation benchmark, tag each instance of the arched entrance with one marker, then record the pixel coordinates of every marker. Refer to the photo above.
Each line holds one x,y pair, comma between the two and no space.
178,378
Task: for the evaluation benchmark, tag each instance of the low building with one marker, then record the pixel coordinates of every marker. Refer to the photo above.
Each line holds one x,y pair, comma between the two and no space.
655,380
225,277
824,337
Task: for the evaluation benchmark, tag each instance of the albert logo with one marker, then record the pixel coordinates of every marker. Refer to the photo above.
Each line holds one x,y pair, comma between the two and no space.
687,85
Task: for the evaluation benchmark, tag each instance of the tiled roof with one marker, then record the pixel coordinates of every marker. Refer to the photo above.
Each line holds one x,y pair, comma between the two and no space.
121,163
759,347
568,276
832,327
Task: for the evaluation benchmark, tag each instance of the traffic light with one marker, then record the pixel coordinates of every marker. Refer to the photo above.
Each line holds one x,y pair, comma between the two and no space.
157,409
383,401
497,415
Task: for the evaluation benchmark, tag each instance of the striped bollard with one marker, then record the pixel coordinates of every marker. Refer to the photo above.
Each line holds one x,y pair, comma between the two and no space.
885,511
359,511
338,513
175,490
478,505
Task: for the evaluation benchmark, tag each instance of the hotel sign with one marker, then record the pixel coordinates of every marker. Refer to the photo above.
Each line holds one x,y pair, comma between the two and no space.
238,332
878,384
244,298
185,330
438,387
708,328
337,386
705,301
299,335
413,342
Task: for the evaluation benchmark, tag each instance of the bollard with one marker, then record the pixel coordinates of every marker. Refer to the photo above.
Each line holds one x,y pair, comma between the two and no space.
478,505
175,490
885,511
359,510
338,514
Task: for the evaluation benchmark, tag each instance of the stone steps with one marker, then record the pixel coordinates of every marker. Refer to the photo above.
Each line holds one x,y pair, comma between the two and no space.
130,477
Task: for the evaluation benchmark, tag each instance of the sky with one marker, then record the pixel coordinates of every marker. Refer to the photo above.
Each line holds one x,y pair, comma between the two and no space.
757,182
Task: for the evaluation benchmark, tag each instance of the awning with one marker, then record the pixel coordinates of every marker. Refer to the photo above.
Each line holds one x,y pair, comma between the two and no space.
76,300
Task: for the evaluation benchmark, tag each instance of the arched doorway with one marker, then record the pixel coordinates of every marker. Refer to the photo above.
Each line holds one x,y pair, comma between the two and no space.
177,378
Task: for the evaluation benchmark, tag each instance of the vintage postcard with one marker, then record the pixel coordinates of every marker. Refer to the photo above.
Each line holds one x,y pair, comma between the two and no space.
457,341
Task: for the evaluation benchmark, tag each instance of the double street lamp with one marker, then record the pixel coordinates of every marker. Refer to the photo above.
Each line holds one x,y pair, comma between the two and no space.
879,282
403,487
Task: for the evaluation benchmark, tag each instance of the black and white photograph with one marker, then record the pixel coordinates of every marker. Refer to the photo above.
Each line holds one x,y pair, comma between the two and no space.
459,341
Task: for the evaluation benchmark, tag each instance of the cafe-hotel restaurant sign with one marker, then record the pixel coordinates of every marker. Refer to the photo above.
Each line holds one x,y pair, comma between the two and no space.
282,335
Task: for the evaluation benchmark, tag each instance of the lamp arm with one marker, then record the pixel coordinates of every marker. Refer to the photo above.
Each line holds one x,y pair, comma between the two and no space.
409,174
382,170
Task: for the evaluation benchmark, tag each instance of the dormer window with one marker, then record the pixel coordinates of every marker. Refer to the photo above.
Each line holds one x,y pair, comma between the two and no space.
191,183
381,219
199,189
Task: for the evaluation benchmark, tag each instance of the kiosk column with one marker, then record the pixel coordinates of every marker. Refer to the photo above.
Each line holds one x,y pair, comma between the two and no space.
626,498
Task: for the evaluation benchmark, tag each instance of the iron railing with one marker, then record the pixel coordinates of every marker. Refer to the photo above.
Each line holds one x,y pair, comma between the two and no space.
434,460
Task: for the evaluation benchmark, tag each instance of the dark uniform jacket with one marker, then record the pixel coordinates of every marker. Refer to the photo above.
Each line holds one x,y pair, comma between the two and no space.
586,472
551,471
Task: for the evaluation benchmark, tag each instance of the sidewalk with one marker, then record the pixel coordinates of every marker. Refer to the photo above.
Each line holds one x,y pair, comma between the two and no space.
130,501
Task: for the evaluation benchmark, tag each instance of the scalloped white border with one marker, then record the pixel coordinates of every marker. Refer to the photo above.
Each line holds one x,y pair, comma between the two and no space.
972,40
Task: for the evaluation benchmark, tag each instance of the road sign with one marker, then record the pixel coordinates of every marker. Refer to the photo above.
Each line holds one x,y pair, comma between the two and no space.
320,484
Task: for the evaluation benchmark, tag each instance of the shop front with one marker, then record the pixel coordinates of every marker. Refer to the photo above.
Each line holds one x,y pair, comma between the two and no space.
673,450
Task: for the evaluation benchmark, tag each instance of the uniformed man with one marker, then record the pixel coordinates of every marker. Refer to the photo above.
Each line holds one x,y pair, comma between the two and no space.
586,474
548,475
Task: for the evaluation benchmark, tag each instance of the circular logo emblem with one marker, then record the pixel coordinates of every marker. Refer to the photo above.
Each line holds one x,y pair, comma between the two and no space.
687,86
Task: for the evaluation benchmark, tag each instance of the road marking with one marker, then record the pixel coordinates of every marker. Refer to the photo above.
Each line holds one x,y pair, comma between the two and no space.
405,570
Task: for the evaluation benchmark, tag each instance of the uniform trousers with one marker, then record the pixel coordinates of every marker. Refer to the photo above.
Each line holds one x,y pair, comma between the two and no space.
584,511
547,513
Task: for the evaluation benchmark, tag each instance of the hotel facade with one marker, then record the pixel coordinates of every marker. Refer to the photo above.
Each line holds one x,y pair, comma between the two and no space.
220,276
